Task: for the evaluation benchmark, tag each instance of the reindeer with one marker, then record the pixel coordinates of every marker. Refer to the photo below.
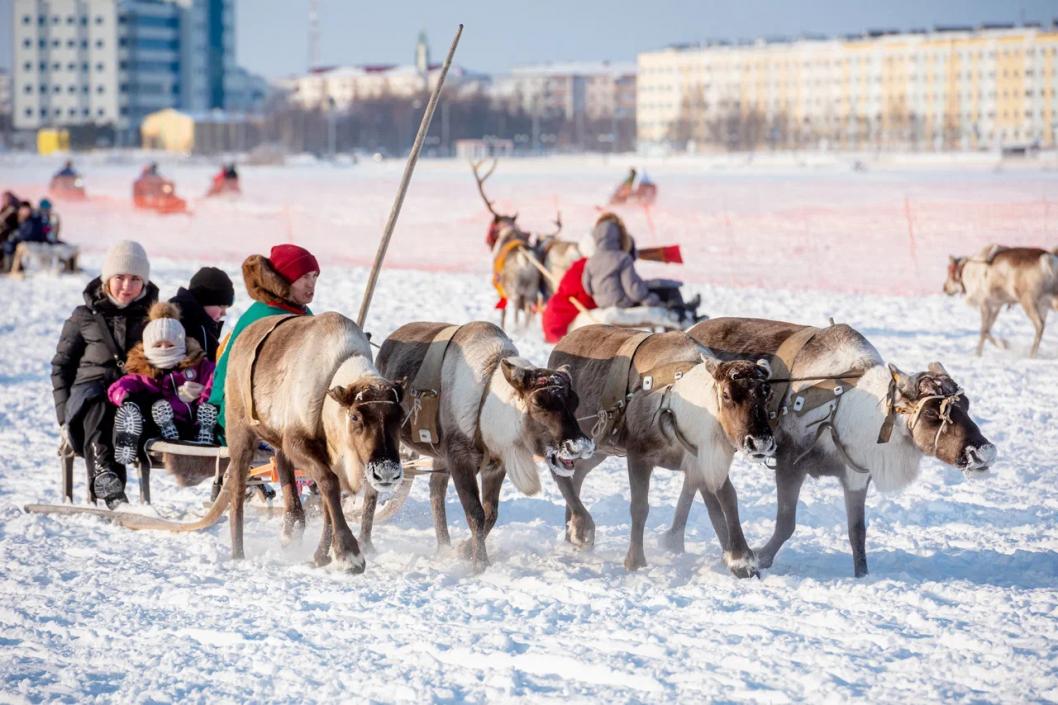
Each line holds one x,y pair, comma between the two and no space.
494,412
516,257
306,386
1006,275
878,427
694,424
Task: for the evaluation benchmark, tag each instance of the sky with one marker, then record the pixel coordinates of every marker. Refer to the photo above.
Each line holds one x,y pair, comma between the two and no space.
272,35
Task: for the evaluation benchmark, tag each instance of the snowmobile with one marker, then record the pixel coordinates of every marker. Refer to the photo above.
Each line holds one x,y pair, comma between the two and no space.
153,192
67,187
643,193
225,183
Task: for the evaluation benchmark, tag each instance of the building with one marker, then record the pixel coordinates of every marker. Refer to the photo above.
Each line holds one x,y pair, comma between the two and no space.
594,90
5,94
112,62
339,87
947,88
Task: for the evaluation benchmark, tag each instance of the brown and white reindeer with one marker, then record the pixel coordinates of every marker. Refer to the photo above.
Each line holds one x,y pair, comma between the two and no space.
678,408
478,408
998,276
517,257
875,423
306,386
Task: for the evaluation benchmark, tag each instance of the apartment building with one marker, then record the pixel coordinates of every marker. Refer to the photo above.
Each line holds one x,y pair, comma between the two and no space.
111,62
593,90
946,88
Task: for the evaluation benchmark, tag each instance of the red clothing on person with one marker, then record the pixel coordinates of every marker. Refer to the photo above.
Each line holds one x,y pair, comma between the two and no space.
560,311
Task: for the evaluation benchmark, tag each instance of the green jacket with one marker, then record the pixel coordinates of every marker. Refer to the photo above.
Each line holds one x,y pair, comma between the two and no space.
256,312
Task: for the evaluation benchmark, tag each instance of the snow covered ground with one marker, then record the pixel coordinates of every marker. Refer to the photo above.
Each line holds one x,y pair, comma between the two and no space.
961,604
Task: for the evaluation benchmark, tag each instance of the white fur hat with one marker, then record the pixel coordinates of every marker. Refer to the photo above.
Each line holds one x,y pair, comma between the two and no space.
164,325
126,257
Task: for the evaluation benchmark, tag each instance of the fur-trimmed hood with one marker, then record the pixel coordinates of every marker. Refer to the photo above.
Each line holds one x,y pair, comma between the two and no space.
264,283
138,364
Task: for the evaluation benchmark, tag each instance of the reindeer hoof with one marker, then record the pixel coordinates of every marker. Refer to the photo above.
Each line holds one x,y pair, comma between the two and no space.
292,532
673,541
352,563
321,559
861,571
634,563
580,531
744,566
466,549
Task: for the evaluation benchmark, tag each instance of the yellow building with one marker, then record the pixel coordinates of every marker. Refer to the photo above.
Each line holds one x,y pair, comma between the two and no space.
950,88
168,130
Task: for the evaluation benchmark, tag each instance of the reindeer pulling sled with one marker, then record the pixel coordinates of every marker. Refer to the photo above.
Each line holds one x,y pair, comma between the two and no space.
346,415
528,270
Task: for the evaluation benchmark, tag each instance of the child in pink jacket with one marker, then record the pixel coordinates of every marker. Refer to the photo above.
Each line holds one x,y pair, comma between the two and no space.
169,374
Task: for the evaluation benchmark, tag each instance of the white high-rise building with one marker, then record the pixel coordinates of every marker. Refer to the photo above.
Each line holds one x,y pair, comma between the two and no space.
111,62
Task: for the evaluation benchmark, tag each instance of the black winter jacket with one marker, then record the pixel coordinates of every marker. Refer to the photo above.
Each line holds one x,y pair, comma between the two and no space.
84,365
197,323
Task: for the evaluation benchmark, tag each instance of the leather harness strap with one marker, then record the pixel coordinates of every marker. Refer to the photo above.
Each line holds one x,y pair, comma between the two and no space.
275,323
425,391
615,389
782,364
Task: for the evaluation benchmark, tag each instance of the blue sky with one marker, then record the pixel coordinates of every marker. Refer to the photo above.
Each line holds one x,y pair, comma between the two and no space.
272,34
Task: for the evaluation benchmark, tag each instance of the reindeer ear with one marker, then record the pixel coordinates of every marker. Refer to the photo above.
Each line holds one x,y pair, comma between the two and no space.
766,366
711,364
953,259
516,375
340,395
905,384
935,368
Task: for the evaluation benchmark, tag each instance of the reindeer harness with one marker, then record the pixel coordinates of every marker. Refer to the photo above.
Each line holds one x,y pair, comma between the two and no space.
251,406
615,396
422,403
499,263
826,391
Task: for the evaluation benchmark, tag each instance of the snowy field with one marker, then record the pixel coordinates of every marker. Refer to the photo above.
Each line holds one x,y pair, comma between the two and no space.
961,605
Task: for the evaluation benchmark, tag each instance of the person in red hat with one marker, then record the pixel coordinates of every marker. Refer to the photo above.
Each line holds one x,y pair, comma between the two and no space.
284,282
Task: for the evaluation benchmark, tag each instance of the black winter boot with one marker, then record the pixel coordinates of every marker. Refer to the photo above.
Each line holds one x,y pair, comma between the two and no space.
162,413
110,488
128,427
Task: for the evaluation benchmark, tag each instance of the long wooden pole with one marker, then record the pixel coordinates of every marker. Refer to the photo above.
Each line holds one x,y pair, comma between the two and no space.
409,168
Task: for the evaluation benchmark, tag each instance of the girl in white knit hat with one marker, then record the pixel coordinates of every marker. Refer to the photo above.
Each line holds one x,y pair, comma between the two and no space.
90,355
169,375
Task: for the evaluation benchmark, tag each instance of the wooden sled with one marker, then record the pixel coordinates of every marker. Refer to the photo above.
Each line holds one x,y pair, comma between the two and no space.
161,453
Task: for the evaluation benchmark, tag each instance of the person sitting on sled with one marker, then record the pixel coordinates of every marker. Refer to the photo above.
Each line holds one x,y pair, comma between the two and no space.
89,357
610,277
168,376
280,284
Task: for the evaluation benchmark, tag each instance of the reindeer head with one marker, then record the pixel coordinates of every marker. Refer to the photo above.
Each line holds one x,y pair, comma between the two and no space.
370,428
953,285
550,427
742,392
938,418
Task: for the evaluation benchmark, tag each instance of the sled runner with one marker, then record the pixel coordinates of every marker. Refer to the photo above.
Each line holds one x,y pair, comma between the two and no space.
192,463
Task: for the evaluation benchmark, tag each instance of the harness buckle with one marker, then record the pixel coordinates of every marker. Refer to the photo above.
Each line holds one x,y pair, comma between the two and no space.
839,390
799,403
425,436
648,383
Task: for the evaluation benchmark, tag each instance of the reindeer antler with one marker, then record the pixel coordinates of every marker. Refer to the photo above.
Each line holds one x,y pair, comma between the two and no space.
481,182
558,225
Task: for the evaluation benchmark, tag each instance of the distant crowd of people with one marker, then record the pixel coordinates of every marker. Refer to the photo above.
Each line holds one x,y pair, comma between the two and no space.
21,222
